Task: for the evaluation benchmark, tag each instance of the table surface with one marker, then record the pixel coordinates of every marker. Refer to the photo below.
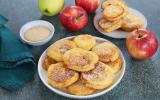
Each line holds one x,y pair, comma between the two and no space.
141,80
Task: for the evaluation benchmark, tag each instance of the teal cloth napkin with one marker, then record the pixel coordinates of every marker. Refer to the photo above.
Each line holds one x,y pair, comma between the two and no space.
17,64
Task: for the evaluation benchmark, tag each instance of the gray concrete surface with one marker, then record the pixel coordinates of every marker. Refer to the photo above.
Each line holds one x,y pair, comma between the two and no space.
141,80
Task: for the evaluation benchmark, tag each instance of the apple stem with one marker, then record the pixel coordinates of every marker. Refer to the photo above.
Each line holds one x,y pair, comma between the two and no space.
139,33
79,18
46,11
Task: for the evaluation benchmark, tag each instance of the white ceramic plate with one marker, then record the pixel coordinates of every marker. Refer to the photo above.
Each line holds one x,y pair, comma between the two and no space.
118,33
43,76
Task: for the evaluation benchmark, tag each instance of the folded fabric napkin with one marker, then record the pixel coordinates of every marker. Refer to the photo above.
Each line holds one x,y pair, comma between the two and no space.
17,64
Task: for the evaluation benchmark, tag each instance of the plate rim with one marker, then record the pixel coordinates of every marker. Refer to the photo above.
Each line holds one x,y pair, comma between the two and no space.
75,96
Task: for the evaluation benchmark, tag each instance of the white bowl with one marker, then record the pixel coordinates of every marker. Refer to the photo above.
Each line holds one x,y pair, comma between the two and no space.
43,76
118,33
31,24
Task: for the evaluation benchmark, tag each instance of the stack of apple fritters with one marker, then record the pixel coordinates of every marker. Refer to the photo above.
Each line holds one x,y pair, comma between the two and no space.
82,65
116,15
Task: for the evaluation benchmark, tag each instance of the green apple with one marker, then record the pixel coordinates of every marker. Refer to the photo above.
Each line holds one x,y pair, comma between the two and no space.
50,7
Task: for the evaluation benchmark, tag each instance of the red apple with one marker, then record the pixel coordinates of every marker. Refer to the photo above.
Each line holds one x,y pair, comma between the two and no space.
141,44
89,5
74,18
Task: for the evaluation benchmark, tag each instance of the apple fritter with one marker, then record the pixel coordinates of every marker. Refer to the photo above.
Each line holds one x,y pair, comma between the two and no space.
47,62
109,26
79,88
132,22
60,76
116,65
56,50
114,2
99,78
85,41
106,51
113,12
80,60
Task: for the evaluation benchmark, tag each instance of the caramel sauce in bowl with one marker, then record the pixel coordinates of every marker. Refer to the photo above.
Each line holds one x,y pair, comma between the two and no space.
37,32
